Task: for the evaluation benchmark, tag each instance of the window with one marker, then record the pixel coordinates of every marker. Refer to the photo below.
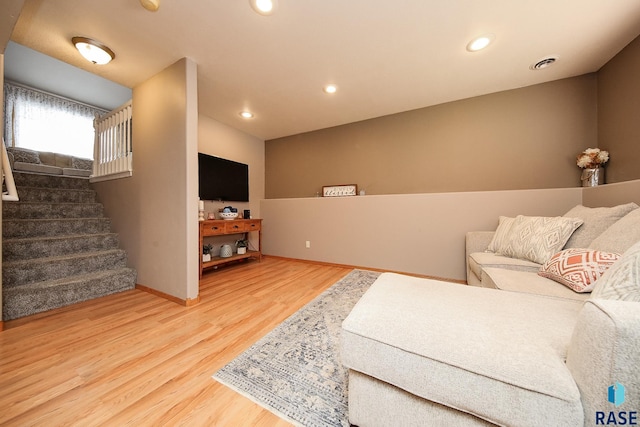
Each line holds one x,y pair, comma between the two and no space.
44,122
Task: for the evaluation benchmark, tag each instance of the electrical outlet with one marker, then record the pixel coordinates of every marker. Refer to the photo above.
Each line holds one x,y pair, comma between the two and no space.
307,244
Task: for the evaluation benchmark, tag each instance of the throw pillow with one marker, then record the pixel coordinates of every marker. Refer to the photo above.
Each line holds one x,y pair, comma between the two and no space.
622,280
501,235
621,235
538,238
578,268
595,221
24,155
84,164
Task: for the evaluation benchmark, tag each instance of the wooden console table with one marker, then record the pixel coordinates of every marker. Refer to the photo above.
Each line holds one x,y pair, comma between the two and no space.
221,227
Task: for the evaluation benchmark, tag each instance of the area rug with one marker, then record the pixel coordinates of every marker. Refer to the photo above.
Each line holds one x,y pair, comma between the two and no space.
295,371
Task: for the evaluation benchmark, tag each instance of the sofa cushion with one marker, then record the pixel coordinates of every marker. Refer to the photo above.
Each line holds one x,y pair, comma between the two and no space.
528,282
578,268
622,280
538,238
595,221
497,355
621,235
38,168
76,172
480,260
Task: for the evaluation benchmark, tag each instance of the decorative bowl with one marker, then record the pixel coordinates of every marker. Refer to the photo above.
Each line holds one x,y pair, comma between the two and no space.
228,215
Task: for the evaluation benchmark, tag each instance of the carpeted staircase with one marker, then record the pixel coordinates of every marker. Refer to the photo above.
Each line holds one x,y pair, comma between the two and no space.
57,247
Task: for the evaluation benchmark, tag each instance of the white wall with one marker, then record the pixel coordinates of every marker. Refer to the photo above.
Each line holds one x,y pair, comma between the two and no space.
413,233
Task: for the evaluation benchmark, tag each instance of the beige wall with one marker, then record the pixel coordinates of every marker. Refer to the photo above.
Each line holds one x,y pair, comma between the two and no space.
619,113
412,233
155,211
518,139
218,139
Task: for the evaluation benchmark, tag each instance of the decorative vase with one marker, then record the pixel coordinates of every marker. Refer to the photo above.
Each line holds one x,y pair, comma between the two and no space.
592,177
225,251
242,250
206,257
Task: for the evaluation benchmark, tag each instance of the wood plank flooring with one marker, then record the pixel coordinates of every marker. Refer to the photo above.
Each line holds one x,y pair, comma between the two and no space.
137,359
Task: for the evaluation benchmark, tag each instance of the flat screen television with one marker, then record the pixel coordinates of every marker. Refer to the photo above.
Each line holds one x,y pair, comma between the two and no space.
222,179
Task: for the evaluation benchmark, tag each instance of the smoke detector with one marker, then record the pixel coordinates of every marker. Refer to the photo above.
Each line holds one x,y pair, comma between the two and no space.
544,63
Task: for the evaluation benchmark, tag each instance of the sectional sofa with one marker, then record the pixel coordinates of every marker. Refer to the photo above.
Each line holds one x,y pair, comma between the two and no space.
25,160
515,348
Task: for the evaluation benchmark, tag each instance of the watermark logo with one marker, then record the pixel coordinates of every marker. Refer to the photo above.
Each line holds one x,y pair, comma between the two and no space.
616,394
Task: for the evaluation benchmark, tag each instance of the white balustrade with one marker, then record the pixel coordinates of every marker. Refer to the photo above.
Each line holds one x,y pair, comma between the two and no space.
113,149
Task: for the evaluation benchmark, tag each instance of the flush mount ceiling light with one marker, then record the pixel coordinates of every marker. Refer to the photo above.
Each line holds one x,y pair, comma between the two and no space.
264,7
93,51
480,43
544,63
330,89
246,114
150,5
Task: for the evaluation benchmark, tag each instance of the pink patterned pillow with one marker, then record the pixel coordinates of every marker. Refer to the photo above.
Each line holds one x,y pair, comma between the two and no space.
578,268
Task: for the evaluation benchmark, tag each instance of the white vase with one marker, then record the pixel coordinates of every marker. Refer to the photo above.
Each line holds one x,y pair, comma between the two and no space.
206,257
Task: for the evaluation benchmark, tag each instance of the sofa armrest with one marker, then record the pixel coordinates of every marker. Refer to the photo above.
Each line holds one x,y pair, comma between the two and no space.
604,351
476,241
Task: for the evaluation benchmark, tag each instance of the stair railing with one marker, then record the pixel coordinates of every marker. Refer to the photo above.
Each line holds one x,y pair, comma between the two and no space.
10,194
113,147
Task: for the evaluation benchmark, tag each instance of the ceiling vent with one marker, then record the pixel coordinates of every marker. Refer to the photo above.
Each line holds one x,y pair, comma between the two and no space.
544,63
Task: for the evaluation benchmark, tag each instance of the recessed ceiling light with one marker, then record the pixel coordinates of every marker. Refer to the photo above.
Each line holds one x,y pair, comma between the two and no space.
544,63
264,7
93,51
246,114
480,43
330,89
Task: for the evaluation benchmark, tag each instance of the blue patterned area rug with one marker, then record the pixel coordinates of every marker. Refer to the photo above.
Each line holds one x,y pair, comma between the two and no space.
295,371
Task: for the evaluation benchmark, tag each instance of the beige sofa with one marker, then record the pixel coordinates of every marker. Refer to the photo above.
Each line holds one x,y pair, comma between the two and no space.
25,160
607,229
424,352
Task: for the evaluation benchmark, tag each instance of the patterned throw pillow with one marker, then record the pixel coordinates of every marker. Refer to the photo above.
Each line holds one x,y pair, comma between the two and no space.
501,234
24,155
578,268
622,280
538,238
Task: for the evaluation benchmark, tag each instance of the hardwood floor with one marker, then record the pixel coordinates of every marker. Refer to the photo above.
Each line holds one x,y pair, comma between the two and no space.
137,359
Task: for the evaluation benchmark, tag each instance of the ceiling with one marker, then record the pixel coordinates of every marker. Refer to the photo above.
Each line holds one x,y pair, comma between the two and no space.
385,56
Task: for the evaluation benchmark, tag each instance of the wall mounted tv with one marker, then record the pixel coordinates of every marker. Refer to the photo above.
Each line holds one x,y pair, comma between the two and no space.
222,179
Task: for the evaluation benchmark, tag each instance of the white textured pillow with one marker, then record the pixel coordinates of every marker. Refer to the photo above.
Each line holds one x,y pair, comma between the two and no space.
538,238
501,234
621,235
622,280
595,221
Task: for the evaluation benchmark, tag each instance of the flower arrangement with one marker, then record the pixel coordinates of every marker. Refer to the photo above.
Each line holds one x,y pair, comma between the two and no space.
592,158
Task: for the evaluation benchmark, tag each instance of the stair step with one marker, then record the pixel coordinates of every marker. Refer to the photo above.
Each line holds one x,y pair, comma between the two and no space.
25,300
39,210
24,228
56,195
25,179
39,247
50,268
